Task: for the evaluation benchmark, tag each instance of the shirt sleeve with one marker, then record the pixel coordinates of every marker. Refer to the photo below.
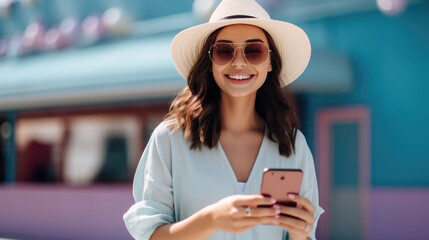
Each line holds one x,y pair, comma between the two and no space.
309,187
152,188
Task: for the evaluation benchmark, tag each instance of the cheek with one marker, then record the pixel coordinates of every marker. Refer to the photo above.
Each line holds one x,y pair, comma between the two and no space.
216,69
264,70
217,73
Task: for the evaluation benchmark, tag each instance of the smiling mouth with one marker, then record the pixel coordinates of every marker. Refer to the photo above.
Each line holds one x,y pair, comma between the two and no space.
239,77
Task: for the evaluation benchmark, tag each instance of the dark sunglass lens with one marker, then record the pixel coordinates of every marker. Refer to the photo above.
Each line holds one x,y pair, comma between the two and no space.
222,53
256,53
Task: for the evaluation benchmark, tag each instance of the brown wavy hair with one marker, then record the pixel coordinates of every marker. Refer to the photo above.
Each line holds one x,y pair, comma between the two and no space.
196,108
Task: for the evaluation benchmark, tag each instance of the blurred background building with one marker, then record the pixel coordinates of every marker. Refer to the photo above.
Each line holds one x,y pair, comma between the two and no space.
83,84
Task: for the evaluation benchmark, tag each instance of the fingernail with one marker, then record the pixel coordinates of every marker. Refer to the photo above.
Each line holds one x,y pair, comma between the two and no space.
272,200
291,195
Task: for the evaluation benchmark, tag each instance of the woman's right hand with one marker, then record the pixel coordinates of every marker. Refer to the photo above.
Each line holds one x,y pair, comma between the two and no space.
230,214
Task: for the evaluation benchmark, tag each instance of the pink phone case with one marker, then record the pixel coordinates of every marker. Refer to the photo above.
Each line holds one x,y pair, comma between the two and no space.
278,183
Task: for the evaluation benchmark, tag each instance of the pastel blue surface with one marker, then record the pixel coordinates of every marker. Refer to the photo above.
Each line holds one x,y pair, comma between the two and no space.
134,63
86,66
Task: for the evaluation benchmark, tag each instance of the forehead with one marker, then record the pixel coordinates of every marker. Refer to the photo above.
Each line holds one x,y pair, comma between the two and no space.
241,33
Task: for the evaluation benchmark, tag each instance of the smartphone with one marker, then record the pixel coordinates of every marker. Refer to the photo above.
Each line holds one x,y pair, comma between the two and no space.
277,183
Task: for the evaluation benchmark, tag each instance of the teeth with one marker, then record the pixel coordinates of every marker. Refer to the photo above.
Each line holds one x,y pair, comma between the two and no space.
239,77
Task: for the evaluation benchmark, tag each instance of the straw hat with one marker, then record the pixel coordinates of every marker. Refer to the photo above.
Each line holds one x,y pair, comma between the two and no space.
291,41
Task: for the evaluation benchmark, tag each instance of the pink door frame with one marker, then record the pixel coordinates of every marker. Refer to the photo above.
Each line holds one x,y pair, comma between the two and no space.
325,119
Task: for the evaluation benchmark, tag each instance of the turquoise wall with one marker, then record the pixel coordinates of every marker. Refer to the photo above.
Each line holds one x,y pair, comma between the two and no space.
390,58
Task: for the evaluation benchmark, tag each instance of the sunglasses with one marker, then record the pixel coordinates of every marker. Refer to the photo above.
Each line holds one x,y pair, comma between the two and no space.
255,53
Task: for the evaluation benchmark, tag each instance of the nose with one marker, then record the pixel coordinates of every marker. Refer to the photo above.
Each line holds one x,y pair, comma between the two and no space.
239,60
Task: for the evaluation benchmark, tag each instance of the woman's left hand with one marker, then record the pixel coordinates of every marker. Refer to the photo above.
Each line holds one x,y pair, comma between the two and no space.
299,220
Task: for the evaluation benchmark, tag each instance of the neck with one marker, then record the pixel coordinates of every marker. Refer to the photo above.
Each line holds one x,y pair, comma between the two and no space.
239,115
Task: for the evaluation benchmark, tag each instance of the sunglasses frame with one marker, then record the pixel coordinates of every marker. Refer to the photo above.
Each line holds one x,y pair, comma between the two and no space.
235,50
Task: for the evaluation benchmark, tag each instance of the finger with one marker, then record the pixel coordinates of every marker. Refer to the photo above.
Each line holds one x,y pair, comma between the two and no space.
296,224
300,213
261,211
303,202
295,231
253,221
253,200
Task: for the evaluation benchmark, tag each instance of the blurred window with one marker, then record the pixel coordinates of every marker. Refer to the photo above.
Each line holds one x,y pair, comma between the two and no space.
81,147
101,149
115,165
37,142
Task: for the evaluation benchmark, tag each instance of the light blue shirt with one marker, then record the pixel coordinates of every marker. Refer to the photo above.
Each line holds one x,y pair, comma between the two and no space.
172,182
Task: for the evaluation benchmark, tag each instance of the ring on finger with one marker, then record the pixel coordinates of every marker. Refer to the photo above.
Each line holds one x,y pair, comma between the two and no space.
306,227
248,211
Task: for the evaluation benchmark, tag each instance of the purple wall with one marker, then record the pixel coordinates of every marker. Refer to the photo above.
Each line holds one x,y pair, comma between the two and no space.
399,214
61,212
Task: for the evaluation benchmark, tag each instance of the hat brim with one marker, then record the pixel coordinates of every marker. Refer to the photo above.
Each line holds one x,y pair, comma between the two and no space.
291,41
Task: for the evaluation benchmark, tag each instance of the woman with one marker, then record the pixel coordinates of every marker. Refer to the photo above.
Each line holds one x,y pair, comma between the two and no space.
200,174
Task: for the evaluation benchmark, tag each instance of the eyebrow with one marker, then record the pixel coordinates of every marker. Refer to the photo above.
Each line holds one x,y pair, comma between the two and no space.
247,41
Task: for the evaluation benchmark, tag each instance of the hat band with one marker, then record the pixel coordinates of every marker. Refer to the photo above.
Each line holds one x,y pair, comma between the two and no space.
236,16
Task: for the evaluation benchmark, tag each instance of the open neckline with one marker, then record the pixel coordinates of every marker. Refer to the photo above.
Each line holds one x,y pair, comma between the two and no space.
251,177
241,186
